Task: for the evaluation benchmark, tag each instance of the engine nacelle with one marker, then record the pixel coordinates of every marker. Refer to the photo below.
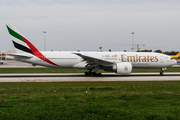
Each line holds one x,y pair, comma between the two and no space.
123,68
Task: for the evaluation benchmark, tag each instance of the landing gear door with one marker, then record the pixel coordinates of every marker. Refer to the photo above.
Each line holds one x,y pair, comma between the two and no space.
161,59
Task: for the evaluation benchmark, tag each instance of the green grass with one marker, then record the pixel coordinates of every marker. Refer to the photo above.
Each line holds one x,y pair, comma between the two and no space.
104,100
53,70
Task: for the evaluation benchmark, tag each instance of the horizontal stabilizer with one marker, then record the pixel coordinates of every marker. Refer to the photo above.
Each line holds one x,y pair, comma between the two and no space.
19,56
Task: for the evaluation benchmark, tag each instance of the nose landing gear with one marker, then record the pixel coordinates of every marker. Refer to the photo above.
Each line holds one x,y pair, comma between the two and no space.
161,73
162,70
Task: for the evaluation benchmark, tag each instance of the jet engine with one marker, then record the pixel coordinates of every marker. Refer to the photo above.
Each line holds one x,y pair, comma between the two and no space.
123,68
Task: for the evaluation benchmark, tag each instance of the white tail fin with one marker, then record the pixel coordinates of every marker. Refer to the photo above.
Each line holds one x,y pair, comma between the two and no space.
21,44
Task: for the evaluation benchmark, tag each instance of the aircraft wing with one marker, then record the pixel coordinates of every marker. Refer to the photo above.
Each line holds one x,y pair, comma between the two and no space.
94,61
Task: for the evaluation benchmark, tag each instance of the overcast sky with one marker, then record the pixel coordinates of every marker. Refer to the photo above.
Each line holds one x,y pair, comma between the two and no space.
89,24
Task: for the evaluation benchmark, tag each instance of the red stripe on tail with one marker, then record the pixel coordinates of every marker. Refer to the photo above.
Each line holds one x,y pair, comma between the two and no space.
37,53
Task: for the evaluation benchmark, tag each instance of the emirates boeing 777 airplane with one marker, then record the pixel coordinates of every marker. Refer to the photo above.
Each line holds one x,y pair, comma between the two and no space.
118,62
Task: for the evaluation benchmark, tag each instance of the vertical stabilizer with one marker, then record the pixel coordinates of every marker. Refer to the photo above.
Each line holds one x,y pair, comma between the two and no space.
22,45
20,42
178,54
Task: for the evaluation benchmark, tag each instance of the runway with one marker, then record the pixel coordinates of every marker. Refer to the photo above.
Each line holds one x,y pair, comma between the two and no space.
69,77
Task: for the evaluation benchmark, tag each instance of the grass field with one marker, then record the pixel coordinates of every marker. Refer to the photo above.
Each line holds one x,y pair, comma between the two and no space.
53,70
103,100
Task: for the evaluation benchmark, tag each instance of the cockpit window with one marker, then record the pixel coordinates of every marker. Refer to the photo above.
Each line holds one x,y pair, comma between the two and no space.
171,58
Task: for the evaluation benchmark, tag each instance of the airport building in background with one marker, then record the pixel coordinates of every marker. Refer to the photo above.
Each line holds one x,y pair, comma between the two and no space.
3,55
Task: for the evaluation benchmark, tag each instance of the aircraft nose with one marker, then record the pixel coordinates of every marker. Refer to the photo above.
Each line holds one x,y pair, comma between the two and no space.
175,62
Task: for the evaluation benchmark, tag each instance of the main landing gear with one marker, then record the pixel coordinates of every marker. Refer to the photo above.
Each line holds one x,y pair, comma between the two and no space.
92,74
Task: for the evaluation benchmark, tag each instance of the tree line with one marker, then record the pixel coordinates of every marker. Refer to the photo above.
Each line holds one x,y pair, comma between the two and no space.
160,51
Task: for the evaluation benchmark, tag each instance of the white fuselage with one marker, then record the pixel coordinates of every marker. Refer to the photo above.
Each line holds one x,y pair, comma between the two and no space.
71,60
118,62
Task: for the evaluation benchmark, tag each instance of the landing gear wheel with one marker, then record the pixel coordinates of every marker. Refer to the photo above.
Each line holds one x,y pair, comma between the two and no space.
90,74
99,74
161,73
86,73
94,74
